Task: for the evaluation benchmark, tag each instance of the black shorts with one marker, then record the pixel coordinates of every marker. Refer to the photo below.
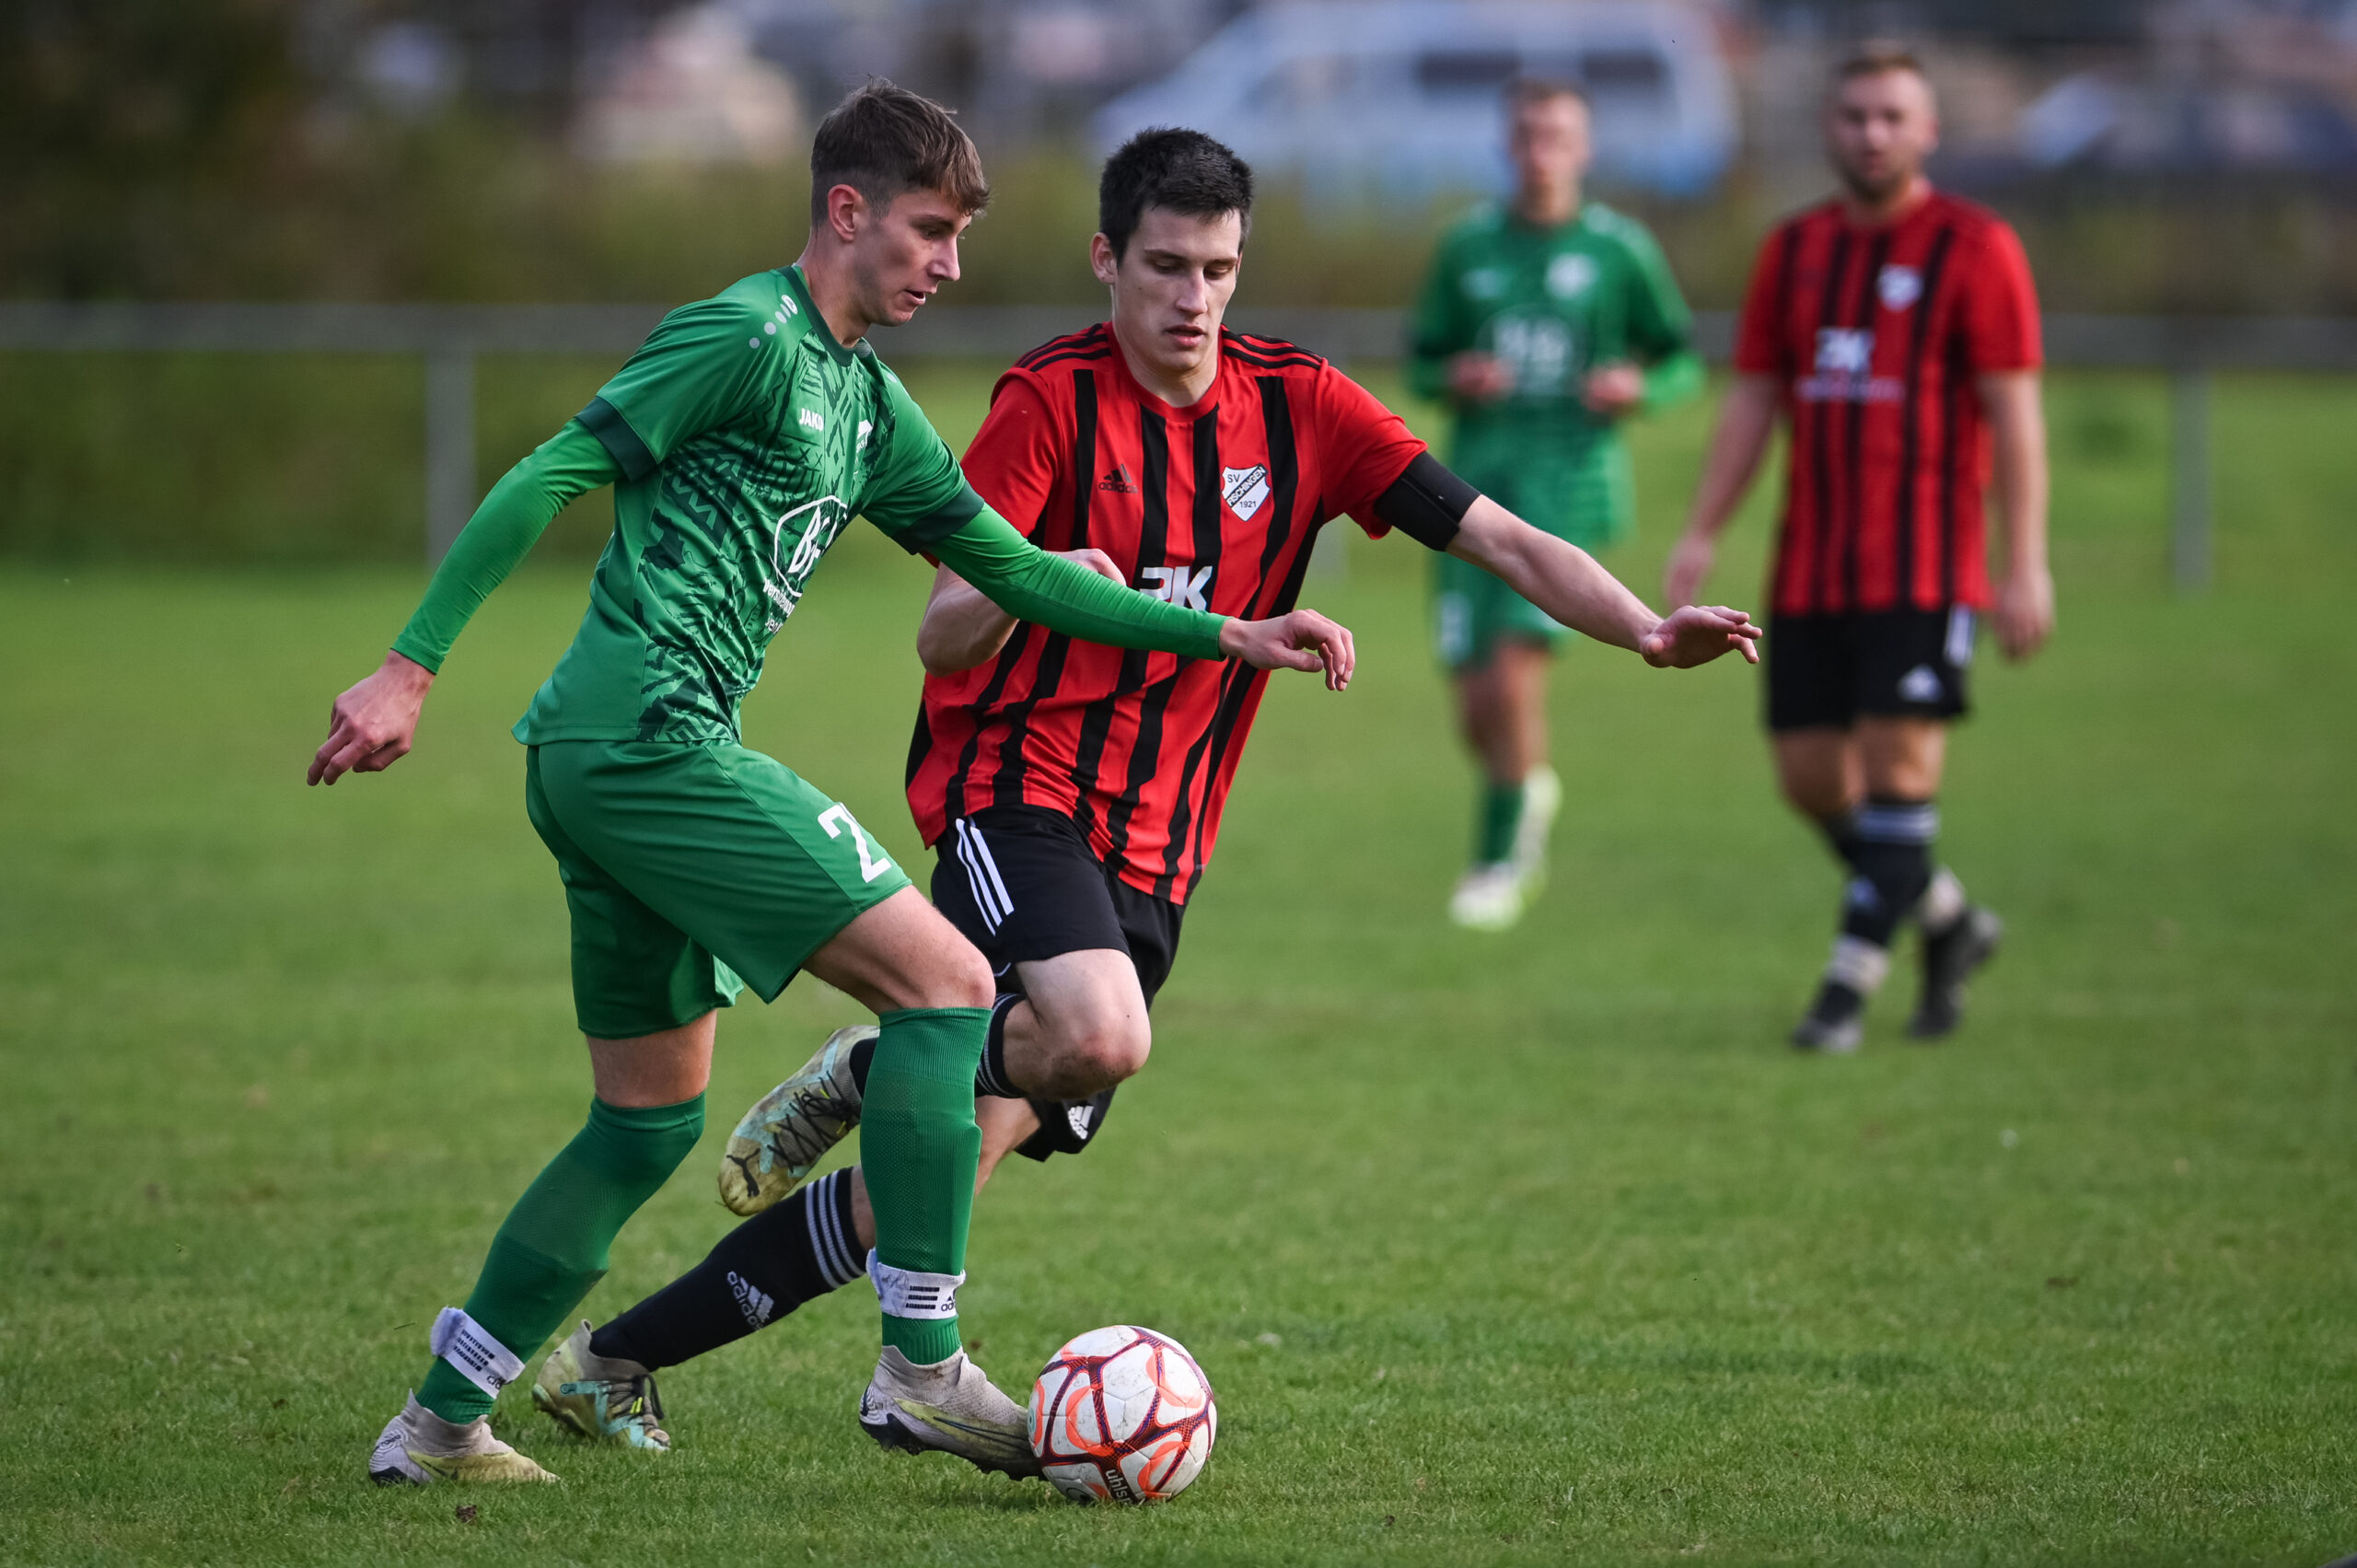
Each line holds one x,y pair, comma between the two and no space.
1827,670
1022,884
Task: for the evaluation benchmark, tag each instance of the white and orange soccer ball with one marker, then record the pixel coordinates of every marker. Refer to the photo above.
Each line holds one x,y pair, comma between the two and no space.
1122,1416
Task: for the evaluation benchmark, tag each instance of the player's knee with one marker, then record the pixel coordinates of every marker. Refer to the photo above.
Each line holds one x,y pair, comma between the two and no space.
1104,1051
960,977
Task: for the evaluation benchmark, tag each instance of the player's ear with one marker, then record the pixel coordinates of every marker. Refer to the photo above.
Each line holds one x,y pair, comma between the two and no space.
845,208
1101,259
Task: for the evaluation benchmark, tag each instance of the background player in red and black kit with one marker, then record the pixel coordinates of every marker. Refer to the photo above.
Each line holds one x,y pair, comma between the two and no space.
1896,330
1073,792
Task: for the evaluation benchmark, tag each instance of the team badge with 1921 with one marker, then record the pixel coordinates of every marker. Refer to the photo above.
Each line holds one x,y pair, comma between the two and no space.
1122,1416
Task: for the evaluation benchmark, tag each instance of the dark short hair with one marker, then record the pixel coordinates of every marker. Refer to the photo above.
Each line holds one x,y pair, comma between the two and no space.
1878,57
883,142
1184,171
1525,92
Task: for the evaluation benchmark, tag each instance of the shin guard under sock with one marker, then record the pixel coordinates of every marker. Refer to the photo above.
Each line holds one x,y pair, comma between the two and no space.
553,1245
919,1147
761,1271
1890,856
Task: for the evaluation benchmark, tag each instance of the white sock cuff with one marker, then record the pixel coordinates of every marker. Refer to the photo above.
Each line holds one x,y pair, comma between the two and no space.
906,1293
460,1341
1858,964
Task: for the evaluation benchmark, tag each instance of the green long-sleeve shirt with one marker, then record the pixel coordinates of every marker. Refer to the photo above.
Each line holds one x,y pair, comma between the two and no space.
1553,304
741,438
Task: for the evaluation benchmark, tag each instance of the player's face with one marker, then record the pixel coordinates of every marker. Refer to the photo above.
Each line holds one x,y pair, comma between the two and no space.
1171,287
901,256
1549,143
1878,130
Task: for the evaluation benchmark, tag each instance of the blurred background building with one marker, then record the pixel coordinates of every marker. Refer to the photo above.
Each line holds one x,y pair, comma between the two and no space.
2180,155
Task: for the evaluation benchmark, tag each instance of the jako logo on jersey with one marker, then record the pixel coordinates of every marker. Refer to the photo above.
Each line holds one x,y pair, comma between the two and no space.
1845,360
812,419
751,1300
1174,585
1245,490
1899,286
1119,481
801,536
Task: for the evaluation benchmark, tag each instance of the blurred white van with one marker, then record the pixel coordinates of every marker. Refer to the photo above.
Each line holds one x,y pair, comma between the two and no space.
1396,98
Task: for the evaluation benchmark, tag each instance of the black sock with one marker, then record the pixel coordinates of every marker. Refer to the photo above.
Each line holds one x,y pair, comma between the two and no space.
761,1271
990,1074
862,1055
1840,832
1893,861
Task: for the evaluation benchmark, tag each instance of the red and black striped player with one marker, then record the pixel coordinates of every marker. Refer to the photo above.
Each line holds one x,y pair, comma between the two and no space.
1072,792
1895,331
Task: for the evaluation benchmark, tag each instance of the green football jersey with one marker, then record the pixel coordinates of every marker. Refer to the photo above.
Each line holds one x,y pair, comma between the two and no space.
1552,304
748,438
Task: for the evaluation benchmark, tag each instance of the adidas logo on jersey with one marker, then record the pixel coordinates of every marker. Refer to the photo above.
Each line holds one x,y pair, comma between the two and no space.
1119,481
1920,684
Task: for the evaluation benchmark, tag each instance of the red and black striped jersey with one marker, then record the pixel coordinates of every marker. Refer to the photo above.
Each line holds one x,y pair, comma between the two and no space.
1874,336
1215,506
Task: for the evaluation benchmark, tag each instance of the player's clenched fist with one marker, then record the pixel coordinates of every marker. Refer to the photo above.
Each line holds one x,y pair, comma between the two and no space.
373,724
1697,634
1302,640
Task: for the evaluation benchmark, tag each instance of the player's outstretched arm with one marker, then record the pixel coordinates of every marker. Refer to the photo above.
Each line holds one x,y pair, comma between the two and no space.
962,628
1570,584
1747,420
2017,442
374,723
1066,597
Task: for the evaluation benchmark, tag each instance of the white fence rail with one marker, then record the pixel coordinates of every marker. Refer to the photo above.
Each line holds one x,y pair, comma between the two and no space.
449,338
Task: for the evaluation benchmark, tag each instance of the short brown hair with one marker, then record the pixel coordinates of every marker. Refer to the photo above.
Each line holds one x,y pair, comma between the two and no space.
1528,92
1878,57
883,142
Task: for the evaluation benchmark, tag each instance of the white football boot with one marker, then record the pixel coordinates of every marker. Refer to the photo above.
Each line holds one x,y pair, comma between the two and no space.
780,1141
419,1449
1493,897
1487,897
950,1407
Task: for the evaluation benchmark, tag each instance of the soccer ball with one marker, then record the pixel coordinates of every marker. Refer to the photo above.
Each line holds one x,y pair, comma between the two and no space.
1122,1416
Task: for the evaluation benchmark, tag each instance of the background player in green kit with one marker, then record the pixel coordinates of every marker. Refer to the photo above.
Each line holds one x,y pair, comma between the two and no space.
741,438
1543,322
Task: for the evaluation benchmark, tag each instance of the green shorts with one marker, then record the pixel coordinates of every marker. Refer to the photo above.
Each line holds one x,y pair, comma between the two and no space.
687,866
1472,611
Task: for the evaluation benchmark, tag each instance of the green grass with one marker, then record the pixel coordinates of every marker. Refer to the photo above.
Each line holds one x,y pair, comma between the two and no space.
1521,1250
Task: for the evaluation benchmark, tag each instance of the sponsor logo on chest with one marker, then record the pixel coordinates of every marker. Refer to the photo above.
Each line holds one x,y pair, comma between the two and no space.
1843,371
1176,584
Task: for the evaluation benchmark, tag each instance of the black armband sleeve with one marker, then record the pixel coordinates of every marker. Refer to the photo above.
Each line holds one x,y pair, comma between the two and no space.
1426,502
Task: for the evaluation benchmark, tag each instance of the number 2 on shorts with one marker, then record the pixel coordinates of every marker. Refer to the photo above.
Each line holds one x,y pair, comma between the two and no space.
838,816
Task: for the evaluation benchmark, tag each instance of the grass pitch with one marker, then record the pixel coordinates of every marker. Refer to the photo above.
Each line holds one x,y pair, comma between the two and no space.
1520,1250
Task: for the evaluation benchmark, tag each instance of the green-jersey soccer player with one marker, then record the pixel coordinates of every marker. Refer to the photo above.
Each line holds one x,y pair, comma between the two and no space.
1544,322
741,439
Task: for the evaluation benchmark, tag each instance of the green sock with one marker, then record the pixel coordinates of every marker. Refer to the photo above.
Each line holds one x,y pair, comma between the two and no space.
551,1248
918,1146
1501,815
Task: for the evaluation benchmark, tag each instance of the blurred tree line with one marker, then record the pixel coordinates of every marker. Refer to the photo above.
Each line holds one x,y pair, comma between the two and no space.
178,149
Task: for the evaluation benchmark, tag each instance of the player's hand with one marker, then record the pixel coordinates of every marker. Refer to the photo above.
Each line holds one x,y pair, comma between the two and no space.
371,726
2025,611
1479,378
1303,640
1690,563
1095,561
1697,634
1613,389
